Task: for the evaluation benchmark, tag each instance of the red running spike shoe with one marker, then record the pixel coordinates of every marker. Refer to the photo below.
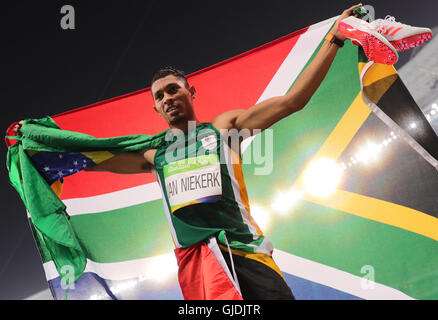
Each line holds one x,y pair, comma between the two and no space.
402,36
374,44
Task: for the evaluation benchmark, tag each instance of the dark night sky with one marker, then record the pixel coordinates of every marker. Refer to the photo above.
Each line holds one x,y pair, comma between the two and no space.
114,50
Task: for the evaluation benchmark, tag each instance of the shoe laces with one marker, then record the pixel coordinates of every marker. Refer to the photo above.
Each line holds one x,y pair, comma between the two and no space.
392,19
380,24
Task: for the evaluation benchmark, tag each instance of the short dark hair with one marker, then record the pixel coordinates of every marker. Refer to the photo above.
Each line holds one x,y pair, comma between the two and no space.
166,71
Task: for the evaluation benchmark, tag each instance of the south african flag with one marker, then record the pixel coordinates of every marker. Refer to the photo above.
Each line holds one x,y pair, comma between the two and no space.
350,204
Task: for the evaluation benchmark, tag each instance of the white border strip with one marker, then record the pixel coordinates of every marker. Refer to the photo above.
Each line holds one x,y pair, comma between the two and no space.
114,200
335,278
394,126
294,63
165,265
150,267
300,54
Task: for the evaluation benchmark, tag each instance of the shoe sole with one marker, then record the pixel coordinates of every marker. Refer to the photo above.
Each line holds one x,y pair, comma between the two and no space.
411,42
376,47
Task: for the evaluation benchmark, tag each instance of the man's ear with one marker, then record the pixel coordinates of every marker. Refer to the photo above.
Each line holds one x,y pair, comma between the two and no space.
192,91
156,110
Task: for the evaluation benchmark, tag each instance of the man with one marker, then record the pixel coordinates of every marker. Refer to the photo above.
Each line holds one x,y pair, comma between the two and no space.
257,275
221,252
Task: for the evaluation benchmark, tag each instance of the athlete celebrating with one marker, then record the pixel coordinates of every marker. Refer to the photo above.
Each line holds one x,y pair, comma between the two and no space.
252,273
221,252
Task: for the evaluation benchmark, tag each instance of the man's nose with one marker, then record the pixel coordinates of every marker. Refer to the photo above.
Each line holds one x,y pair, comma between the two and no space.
168,98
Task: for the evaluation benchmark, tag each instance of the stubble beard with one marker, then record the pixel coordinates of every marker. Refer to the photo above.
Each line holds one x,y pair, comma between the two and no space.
177,120
184,118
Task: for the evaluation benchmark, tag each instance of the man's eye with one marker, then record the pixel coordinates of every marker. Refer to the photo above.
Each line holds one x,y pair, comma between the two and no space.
173,89
159,97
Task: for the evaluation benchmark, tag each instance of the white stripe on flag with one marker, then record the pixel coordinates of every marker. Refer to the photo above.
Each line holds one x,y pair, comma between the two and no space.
165,266
394,126
291,67
156,267
335,278
297,59
113,200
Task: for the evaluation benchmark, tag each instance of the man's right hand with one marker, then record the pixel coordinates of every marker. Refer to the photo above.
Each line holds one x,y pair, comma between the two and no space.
17,127
131,162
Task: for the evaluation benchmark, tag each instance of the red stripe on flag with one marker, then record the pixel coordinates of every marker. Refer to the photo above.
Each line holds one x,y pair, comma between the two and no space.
236,83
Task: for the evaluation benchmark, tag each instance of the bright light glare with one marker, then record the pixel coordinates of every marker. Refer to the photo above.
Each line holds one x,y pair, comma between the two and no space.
286,200
370,153
160,268
157,268
322,177
261,216
413,125
123,286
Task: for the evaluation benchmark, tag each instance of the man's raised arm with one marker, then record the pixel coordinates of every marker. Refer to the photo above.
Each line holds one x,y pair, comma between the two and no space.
266,113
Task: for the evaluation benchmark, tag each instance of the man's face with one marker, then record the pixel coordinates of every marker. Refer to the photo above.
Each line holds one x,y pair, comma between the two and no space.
173,100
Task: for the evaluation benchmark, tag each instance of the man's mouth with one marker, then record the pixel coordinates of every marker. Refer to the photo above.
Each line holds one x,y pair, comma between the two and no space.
171,109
